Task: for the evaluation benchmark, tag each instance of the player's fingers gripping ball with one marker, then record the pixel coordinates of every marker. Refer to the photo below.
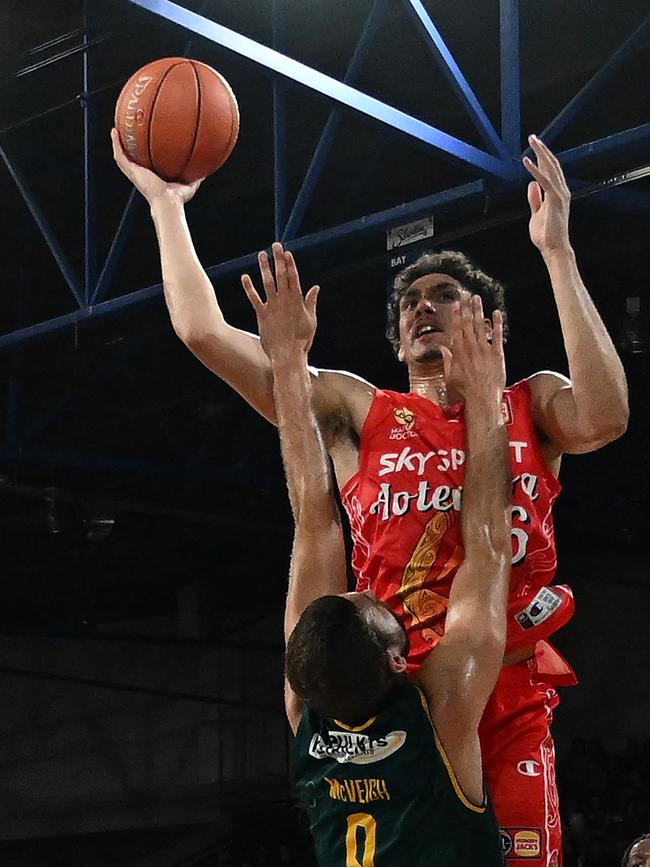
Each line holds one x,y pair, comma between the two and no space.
177,117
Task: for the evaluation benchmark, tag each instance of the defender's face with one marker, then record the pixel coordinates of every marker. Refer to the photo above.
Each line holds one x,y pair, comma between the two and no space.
640,855
379,616
425,316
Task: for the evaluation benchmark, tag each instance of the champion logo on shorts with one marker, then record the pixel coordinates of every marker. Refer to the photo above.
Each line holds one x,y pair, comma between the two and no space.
520,844
530,768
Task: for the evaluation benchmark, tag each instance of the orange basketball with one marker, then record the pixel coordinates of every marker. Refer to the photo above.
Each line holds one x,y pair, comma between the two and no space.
178,118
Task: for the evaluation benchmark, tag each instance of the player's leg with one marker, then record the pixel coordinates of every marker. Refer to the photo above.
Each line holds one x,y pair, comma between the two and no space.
519,763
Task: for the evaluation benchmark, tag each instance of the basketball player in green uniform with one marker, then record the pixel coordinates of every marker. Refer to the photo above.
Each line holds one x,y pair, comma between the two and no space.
389,770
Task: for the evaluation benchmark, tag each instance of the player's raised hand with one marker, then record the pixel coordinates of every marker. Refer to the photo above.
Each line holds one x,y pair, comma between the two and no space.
549,198
286,318
475,365
146,182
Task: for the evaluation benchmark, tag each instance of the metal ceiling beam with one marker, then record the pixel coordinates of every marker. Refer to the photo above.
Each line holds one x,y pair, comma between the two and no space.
377,222
44,228
510,74
324,145
576,158
637,41
635,140
457,80
340,92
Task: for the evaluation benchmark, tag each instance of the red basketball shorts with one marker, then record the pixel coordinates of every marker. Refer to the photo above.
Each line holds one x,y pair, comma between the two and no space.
519,766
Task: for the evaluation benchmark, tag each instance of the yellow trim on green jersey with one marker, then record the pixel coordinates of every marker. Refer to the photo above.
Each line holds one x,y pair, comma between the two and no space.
475,808
356,728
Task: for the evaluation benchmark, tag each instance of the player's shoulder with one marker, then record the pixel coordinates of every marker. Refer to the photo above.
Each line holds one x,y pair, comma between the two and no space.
340,379
546,382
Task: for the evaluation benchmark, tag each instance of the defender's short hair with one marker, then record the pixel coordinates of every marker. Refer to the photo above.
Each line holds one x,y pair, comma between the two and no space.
336,663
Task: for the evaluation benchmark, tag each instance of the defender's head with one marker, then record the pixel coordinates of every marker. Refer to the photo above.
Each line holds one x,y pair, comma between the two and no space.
346,655
637,853
424,293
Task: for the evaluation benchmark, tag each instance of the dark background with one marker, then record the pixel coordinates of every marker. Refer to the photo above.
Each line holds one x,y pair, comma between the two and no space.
142,501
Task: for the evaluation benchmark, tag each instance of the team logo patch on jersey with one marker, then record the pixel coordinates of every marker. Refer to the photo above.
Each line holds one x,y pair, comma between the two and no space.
540,609
356,748
406,421
405,417
521,843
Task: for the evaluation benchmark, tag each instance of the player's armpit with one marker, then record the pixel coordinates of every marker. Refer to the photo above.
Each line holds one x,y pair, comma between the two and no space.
556,416
340,398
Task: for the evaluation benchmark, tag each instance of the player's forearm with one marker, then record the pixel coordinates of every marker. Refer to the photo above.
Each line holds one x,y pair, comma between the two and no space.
189,294
303,453
318,556
480,589
597,375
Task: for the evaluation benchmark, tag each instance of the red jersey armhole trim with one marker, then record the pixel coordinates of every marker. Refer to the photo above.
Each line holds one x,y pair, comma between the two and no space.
552,481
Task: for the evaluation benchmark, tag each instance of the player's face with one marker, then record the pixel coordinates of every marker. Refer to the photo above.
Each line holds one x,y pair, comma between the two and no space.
425,316
379,616
640,855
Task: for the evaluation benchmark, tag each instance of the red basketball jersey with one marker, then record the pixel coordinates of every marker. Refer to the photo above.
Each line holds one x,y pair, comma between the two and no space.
404,510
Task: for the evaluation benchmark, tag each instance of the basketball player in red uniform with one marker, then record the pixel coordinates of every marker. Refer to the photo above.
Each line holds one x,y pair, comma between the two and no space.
399,458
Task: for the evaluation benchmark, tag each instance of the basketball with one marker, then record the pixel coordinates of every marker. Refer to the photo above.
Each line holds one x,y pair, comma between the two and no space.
177,117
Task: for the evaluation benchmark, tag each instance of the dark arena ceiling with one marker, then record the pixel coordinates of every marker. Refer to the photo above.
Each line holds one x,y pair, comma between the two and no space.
126,469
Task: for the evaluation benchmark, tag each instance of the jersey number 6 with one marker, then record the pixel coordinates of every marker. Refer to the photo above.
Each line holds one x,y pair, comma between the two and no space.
366,823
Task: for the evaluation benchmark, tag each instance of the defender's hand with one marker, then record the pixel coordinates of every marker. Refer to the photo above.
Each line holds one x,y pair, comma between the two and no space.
475,365
150,185
287,320
549,198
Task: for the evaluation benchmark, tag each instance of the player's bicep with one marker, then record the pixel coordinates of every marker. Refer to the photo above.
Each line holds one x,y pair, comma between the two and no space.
237,357
457,684
555,415
459,675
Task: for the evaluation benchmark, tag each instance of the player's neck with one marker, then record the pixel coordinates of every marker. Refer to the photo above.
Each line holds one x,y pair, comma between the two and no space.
428,380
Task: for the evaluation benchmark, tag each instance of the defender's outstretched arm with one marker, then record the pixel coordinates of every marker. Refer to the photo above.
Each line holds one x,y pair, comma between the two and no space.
459,674
287,323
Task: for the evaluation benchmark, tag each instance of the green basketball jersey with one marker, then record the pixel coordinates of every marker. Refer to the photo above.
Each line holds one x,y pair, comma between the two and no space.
384,794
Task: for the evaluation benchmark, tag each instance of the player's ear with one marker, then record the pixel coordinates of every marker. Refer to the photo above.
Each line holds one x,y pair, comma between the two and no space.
396,662
400,354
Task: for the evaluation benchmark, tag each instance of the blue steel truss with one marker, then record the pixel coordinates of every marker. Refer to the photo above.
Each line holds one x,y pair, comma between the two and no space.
499,163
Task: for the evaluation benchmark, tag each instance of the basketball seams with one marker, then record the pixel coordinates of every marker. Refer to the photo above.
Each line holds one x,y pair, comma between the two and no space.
234,116
167,113
153,106
232,105
197,121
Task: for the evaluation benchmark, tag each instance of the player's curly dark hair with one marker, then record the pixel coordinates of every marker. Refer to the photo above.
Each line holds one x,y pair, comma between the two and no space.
455,264
337,664
628,851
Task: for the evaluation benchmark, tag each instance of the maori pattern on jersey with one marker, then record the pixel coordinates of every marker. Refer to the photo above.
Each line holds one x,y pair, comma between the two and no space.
426,608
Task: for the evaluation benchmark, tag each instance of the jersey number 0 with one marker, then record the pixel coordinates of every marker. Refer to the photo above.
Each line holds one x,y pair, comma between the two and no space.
360,822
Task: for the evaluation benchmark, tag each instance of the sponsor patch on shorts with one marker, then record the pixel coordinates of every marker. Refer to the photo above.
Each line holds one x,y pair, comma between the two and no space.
540,609
521,844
